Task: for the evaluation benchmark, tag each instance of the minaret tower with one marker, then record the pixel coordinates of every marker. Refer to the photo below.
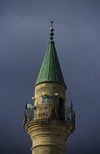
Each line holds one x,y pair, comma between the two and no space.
49,122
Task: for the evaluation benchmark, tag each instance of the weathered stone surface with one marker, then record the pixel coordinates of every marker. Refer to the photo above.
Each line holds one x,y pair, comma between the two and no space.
48,136
49,89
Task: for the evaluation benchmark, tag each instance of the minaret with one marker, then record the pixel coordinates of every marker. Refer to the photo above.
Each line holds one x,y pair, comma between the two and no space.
49,122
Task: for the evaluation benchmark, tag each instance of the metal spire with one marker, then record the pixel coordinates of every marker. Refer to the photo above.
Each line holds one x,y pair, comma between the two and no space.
51,29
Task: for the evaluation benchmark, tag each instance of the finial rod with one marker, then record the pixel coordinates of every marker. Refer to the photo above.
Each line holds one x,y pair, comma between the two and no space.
52,23
51,29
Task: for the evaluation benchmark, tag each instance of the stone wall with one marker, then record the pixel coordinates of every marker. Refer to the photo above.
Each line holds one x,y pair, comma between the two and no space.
53,90
48,136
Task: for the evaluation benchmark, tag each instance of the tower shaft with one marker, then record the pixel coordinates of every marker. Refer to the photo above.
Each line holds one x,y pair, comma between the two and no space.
51,125
48,136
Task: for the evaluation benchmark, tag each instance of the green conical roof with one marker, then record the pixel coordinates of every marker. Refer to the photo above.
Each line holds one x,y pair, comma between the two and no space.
50,69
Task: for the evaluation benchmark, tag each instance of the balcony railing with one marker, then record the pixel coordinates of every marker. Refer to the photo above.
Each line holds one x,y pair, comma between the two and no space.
49,111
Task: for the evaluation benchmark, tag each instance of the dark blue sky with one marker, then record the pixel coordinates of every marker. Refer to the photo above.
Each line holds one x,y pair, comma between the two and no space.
24,37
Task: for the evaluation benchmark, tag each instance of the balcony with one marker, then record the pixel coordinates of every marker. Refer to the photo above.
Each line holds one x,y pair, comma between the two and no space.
49,111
